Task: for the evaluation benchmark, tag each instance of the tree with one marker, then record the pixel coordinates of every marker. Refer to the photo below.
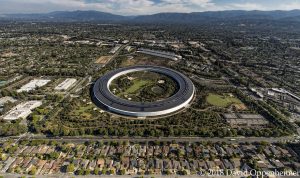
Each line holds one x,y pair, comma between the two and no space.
122,172
112,172
103,171
70,168
96,171
32,171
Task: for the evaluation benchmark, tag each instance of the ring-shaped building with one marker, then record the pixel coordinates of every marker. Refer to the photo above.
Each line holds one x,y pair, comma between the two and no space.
184,95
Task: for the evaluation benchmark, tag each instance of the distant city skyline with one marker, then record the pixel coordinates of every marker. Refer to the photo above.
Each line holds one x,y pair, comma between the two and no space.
143,7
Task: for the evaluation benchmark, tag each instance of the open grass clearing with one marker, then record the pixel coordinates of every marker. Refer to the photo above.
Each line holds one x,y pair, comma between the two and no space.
224,100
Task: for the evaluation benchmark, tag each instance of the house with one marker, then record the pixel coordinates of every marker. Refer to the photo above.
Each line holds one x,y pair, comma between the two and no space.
43,149
197,151
202,165
246,168
185,164
158,164
220,150
142,151
117,165
7,163
76,163
213,150
131,170
109,163
100,163
127,151
229,151
267,152
141,164
40,164
125,162
165,150
150,164
238,151
28,150
167,164
92,165
16,163
157,150
284,152
150,151
51,149
47,167
261,164
227,164
194,165
84,163
134,151
211,165
236,163
104,150
111,151
176,165
296,166
277,163
189,152
25,162
219,164
275,151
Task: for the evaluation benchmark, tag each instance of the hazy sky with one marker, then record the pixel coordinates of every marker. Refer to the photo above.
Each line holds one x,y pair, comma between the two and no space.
136,7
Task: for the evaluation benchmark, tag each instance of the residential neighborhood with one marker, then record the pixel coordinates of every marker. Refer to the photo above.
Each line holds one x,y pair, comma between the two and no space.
39,157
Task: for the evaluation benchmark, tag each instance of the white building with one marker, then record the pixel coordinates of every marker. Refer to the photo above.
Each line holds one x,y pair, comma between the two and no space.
6,99
125,41
168,55
115,49
22,110
128,48
66,84
33,84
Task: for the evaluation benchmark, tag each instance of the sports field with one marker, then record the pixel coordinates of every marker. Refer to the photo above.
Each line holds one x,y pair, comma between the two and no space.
224,100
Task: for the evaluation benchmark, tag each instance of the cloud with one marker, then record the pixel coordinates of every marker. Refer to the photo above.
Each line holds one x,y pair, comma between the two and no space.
290,6
245,6
136,7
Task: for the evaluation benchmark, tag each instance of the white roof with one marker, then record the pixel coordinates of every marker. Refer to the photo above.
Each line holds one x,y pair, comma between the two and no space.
22,110
66,84
6,99
33,84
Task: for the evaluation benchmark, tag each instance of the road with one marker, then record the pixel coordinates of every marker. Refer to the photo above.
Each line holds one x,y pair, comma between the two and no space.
147,139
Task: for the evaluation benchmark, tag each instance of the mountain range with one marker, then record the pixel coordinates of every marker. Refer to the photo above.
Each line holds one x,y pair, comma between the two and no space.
195,17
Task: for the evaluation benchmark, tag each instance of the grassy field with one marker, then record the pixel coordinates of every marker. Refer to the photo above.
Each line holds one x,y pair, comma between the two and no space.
141,85
222,100
137,85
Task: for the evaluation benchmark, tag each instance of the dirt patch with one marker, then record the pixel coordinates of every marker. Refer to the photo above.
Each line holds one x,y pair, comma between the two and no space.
103,59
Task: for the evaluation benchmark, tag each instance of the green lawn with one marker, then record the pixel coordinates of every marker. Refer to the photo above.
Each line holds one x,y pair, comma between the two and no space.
222,100
137,85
